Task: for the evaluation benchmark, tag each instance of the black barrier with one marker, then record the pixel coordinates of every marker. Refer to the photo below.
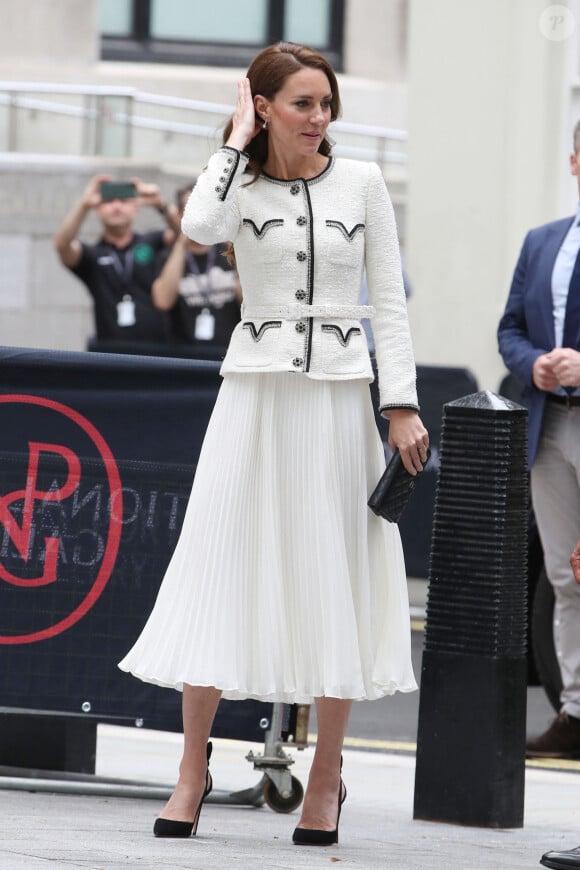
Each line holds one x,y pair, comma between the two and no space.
97,456
436,385
472,712
158,349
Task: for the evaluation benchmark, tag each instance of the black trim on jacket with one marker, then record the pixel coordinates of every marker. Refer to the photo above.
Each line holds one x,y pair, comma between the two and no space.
344,338
258,334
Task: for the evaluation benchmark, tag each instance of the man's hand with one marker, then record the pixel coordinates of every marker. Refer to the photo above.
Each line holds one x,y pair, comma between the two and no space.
543,374
565,365
91,197
148,194
575,562
66,243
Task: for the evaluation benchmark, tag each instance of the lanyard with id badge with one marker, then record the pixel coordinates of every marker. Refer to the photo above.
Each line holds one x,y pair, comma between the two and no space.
205,321
124,269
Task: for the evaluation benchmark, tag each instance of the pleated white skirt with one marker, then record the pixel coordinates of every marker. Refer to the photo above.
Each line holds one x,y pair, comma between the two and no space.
283,586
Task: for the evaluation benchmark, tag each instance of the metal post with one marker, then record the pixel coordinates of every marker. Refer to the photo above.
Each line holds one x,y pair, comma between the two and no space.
86,125
99,121
382,149
472,713
129,103
12,144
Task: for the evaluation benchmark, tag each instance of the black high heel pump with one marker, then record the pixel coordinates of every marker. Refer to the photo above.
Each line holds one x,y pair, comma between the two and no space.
315,837
171,828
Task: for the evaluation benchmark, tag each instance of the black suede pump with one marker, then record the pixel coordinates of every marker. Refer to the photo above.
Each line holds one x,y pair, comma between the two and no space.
314,837
171,828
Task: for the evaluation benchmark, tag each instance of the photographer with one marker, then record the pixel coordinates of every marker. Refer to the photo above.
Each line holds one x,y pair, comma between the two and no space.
120,268
200,289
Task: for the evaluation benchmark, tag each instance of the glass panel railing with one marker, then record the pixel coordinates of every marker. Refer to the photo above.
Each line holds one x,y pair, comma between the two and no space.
28,123
123,122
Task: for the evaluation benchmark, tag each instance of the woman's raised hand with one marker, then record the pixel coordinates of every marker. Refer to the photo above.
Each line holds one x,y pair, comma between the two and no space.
244,124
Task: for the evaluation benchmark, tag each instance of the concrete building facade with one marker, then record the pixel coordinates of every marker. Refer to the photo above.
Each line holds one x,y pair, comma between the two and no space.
45,160
494,93
488,91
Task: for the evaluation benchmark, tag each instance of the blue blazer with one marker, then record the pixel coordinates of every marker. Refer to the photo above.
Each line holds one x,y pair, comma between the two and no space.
526,330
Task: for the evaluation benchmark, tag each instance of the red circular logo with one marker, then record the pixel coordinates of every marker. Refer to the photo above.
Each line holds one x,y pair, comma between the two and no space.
21,534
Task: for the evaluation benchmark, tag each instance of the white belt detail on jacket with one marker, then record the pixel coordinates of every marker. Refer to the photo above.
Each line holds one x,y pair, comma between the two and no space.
300,310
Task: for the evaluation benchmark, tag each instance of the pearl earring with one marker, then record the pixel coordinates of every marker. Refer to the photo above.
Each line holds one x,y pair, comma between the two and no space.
265,124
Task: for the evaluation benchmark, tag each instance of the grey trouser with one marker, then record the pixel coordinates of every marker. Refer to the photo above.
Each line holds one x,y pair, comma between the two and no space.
555,486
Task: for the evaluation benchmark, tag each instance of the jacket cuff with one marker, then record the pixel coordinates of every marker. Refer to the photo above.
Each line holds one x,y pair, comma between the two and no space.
235,151
397,407
229,169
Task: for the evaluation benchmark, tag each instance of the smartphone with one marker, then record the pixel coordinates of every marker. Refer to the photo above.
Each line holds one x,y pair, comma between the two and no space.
118,190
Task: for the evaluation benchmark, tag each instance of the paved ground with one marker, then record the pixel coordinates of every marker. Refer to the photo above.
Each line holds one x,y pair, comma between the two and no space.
94,832
43,828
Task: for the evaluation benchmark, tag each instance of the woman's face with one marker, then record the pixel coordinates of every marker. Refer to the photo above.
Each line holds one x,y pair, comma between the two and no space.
299,113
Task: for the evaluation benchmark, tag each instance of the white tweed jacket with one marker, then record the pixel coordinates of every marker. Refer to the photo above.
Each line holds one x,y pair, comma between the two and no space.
301,247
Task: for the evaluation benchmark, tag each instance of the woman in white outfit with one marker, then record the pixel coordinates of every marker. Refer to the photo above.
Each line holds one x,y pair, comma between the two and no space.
283,585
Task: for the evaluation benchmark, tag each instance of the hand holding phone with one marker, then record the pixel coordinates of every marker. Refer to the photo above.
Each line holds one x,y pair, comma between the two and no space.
118,190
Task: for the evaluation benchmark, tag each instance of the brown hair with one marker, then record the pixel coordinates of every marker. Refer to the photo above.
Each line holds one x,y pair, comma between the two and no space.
267,74
182,191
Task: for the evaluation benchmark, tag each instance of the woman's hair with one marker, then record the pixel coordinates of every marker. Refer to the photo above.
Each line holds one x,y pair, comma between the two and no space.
267,74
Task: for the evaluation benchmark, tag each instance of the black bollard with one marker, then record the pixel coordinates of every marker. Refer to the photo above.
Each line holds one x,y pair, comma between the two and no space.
472,712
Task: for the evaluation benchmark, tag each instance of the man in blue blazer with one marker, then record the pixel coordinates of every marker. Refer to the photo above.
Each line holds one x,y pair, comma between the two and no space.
539,340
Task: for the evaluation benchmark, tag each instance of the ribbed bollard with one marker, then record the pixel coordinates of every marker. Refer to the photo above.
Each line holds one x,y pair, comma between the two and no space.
472,713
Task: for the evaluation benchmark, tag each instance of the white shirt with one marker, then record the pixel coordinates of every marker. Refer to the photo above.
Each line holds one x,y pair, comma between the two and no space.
561,275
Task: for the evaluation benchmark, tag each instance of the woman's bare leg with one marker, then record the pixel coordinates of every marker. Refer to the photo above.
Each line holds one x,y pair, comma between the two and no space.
199,708
320,806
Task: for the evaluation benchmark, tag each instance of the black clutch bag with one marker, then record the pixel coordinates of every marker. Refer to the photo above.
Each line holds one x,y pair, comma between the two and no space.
394,489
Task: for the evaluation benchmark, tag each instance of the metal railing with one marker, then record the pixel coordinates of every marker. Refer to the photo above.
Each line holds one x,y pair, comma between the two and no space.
110,115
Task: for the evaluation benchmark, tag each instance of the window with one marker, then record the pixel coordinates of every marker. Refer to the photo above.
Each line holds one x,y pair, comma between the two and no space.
224,33
116,17
229,21
307,22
